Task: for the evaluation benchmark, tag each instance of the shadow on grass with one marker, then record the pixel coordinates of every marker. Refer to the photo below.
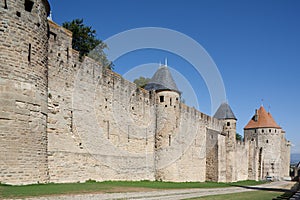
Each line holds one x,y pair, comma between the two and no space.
288,193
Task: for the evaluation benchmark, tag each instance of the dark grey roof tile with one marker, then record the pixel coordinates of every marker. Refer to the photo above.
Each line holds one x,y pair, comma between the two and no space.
224,112
162,80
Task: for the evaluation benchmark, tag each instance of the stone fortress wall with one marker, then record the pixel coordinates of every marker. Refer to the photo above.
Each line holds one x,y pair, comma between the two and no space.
23,91
98,125
124,116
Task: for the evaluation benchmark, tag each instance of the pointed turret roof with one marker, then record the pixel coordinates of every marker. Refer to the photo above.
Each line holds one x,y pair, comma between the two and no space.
162,80
262,119
224,112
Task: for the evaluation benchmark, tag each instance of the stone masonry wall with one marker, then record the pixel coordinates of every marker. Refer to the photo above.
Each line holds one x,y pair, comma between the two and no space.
65,120
285,158
183,155
100,125
242,161
23,91
270,142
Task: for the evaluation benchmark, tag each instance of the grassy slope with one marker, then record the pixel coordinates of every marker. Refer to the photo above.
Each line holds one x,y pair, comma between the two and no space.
7,191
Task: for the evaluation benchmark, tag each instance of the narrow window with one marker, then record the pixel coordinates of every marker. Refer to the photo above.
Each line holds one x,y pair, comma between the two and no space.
107,129
5,4
18,14
71,126
67,53
267,141
254,130
270,130
262,131
170,101
161,98
169,140
28,5
128,138
228,123
29,52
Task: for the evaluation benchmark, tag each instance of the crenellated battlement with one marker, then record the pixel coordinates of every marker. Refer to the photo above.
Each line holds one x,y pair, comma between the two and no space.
66,119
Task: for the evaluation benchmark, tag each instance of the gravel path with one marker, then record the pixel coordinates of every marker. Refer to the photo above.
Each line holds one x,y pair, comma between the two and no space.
168,194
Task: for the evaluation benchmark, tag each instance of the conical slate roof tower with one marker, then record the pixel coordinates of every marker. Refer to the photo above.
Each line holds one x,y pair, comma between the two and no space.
224,112
162,80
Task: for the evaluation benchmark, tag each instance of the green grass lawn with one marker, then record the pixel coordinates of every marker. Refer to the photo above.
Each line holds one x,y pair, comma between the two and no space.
8,191
261,195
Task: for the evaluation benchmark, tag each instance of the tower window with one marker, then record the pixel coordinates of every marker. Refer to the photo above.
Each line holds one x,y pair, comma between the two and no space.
67,53
28,5
254,130
262,130
270,130
267,141
29,52
169,140
18,14
5,4
161,98
228,123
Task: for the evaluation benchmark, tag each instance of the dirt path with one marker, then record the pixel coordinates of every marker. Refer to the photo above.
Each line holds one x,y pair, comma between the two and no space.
171,194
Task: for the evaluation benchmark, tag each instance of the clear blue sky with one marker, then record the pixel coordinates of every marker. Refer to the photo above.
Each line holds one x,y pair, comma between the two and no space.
255,45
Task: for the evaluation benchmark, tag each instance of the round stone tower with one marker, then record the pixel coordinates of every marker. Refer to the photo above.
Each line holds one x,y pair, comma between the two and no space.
23,91
268,136
225,114
167,119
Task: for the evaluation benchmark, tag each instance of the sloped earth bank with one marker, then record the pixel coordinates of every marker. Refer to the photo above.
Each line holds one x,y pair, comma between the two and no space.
152,194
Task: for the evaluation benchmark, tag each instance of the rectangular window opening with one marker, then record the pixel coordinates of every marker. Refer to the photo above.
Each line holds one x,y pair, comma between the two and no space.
161,99
29,52
5,4
67,53
28,5
169,140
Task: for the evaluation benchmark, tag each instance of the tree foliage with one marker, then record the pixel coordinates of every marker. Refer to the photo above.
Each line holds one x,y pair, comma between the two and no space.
142,81
84,40
239,137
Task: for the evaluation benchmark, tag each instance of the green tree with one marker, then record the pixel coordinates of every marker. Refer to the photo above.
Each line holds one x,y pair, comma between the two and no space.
84,40
239,137
142,81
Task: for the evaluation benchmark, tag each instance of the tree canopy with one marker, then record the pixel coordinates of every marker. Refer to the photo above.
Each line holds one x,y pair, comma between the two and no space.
84,40
142,81
239,137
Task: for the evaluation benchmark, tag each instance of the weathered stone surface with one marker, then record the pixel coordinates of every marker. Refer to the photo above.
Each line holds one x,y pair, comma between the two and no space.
65,120
23,90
